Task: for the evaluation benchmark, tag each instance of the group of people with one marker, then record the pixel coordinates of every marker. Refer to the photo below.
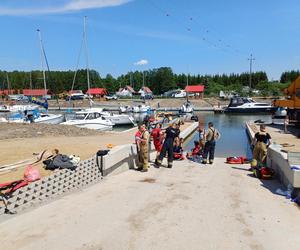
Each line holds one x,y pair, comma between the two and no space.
169,144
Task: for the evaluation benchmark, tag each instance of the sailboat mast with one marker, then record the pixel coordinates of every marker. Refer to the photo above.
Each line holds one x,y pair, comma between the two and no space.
86,52
30,80
42,60
8,84
187,84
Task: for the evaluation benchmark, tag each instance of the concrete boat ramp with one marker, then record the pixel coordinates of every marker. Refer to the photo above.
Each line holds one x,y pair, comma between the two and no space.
191,206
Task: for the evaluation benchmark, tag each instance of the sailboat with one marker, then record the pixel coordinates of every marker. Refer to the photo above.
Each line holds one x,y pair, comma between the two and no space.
187,106
95,118
31,113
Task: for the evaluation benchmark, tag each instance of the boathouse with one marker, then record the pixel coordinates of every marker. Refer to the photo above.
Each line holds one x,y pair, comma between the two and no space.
127,91
196,90
36,92
145,91
97,92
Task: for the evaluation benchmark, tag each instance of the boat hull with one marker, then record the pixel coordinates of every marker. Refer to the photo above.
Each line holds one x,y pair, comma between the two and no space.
120,119
250,110
51,119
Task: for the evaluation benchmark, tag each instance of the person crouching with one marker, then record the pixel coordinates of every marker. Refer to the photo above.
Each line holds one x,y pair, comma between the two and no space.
195,155
177,149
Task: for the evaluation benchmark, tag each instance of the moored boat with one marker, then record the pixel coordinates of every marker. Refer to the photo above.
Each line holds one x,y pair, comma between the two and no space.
91,119
248,105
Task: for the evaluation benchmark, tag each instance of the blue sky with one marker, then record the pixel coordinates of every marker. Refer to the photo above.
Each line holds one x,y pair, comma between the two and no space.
195,36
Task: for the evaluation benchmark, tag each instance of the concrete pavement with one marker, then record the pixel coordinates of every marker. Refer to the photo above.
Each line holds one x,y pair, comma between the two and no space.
188,207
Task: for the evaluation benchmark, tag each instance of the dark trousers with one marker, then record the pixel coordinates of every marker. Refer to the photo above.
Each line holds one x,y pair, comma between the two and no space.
167,147
209,150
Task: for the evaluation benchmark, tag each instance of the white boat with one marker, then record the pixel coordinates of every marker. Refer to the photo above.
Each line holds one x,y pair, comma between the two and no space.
33,116
50,119
125,109
121,119
187,107
248,105
141,109
17,108
91,119
4,108
279,116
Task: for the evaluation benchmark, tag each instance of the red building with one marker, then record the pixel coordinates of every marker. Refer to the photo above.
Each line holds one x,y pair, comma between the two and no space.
35,92
197,90
97,92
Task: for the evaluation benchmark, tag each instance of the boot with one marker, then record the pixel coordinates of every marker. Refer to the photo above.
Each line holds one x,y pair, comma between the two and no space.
170,164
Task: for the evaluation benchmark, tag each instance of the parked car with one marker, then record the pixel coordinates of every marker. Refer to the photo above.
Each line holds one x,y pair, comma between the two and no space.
179,94
147,97
111,97
74,97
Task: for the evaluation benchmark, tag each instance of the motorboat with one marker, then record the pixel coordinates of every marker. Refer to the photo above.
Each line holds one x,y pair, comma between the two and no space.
16,108
141,109
125,109
119,119
50,118
187,107
33,116
279,117
248,105
91,119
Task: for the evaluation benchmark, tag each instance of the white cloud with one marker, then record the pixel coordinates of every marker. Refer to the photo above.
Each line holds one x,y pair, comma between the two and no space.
141,62
69,6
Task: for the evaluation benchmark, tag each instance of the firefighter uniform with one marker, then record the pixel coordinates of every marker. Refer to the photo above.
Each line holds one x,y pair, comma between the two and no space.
143,152
171,134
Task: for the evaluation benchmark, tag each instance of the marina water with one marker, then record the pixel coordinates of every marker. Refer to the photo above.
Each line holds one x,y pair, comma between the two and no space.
234,140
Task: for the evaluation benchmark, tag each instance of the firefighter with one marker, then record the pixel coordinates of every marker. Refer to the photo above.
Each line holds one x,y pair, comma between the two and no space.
211,136
143,148
171,133
261,142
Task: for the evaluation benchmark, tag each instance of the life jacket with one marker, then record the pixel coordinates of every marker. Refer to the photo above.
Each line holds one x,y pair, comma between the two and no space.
237,160
178,156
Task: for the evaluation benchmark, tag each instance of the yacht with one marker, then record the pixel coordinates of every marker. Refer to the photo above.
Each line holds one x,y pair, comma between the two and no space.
187,107
91,119
248,105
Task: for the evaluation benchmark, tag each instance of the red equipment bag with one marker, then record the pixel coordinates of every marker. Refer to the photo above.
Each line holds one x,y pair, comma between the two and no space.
31,174
237,160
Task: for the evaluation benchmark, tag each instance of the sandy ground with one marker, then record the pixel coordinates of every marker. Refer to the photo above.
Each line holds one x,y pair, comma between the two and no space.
187,207
68,139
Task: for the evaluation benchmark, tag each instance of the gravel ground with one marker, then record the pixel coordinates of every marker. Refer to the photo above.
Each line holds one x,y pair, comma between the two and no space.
12,131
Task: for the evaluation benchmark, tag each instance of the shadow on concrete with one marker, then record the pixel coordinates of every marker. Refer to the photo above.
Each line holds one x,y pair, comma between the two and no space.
272,185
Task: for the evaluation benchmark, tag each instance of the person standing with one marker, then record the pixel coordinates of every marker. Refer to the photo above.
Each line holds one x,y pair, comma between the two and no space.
171,133
261,142
144,148
211,135
157,136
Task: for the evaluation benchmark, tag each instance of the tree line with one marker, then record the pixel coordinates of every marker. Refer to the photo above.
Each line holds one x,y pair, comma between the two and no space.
158,80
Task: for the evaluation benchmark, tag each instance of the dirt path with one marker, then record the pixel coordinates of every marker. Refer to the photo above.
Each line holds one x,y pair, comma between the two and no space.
187,207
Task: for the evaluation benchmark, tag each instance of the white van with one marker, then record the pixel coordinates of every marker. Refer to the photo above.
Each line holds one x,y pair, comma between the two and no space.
179,94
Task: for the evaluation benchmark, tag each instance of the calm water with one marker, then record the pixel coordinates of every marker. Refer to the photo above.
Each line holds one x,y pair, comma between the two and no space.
233,141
